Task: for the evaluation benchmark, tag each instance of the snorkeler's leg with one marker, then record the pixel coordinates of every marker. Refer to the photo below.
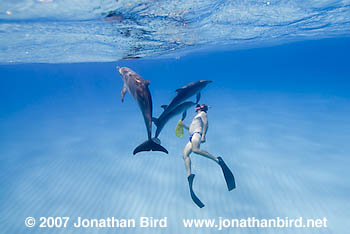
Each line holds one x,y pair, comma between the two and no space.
196,140
187,159
190,177
229,178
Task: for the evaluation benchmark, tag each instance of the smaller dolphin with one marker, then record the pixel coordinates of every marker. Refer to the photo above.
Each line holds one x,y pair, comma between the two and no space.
185,93
138,88
182,95
163,119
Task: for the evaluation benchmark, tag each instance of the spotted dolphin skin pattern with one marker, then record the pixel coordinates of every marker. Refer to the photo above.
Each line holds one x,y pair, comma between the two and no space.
138,88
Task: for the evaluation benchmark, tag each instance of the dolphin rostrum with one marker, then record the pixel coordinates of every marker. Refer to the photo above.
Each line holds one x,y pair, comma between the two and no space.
182,95
163,119
138,88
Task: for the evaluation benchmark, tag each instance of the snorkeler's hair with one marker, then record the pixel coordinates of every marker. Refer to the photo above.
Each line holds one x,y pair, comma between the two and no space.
202,107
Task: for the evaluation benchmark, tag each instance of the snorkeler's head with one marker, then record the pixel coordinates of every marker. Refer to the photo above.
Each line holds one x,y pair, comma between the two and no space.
201,107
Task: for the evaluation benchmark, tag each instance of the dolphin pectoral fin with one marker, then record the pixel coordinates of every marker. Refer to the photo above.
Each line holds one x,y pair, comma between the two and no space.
179,90
198,97
149,145
122,93
164,106
184,115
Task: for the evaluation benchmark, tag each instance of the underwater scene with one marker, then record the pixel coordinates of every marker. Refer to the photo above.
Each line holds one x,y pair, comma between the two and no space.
174,116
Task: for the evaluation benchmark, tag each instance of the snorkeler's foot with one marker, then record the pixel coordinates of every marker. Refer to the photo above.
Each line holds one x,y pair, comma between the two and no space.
229,178
193,195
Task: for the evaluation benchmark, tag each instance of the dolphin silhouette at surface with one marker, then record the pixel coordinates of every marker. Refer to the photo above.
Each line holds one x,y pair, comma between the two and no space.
138,88
163,119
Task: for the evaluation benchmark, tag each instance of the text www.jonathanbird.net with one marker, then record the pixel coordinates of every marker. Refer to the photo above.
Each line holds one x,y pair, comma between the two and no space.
252,222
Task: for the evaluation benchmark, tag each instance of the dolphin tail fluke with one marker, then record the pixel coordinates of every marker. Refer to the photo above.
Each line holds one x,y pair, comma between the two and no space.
149,145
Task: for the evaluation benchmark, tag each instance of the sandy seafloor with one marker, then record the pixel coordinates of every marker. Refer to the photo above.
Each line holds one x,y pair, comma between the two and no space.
279,117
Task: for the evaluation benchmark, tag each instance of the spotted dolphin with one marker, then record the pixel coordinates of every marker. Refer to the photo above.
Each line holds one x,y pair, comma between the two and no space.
163,119
182,95
185,93
138,88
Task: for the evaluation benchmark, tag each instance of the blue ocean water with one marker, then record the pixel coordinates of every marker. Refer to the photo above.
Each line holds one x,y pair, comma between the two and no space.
279,112
279,116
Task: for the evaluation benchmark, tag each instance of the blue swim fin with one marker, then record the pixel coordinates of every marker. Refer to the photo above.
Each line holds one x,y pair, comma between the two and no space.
193,195
149,145
229,178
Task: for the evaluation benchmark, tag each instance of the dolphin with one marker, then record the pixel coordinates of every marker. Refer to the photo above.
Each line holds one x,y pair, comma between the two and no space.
163,119
138,88
185,93
182,95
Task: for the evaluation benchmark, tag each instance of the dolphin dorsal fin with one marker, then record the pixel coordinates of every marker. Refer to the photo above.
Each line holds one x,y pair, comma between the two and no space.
164,106
184,115
198,97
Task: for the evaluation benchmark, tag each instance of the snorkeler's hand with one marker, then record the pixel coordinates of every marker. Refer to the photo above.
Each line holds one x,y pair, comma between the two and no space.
183,125
203,139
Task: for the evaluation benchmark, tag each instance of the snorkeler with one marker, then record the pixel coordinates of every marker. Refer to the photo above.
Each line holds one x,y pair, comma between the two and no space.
198,130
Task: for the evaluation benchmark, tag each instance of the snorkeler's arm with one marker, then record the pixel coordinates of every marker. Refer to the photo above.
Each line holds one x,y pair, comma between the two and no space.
205,125
185,126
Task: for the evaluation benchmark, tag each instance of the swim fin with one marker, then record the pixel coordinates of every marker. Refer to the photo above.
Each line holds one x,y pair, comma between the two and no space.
179,130
149,145
193,195
230,179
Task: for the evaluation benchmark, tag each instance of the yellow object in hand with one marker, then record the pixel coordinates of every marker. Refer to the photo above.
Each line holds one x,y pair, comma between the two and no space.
179,131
